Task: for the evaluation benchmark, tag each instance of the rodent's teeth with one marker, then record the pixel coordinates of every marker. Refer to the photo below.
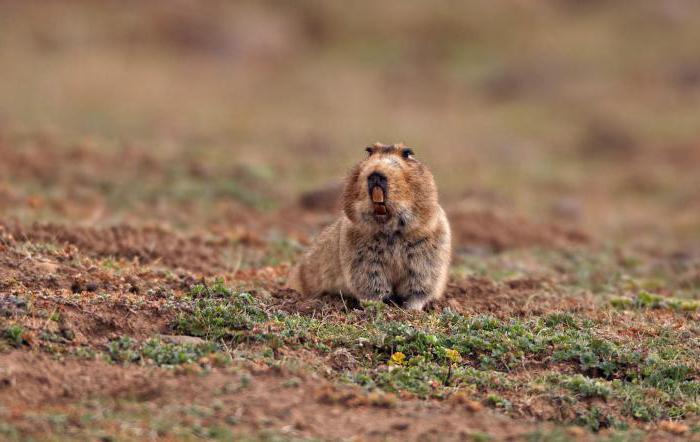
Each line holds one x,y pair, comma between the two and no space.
377,194
379,209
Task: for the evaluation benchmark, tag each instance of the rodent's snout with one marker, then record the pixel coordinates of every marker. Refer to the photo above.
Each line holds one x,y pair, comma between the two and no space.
377,188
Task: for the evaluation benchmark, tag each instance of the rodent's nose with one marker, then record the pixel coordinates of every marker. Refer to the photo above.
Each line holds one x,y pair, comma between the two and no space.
376,179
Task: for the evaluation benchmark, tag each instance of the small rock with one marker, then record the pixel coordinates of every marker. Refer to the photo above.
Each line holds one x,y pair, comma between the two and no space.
341,359
91,287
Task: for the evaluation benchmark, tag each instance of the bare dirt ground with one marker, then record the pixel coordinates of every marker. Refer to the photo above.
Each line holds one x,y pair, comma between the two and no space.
163,166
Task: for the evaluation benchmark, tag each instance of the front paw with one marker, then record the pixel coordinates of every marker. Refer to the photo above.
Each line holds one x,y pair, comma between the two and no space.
416,300
377,295
415,304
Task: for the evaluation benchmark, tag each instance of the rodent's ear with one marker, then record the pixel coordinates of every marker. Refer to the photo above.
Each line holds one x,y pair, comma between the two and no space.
407,152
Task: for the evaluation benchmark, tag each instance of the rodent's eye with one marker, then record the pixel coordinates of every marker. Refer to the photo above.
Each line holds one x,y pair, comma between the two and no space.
407,152
370,150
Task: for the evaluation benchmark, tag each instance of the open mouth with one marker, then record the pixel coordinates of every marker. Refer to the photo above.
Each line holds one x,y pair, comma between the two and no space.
377,187
379,203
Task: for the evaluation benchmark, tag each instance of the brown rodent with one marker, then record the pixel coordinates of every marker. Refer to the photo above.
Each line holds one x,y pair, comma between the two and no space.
392,241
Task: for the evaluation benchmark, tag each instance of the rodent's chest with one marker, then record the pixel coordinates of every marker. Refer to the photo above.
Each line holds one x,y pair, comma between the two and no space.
388,249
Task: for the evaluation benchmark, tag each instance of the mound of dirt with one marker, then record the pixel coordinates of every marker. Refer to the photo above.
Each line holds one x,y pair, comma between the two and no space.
470,296
517,297
498,231
200,254
291,301
326,198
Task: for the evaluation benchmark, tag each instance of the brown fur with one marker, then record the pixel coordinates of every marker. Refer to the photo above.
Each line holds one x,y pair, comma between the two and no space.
402,257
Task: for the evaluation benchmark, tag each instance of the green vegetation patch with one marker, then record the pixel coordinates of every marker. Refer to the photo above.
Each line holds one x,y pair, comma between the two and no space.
645,299
125,350
14,335
586,387
218,313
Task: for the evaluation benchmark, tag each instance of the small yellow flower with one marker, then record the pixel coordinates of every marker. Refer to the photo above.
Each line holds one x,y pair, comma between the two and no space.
397,358
453,355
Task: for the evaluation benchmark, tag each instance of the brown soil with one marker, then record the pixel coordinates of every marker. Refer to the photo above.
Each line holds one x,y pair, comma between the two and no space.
34,383
143,245
519,297
471,296
498,231
33,379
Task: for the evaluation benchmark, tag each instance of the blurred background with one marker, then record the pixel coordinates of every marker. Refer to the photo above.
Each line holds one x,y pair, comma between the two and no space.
205,115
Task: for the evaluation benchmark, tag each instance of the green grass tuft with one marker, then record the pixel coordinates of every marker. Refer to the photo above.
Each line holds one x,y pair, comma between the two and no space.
14,335
126,350
224,316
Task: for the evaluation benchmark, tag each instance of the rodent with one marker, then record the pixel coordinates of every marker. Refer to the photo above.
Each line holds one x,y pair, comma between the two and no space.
392,241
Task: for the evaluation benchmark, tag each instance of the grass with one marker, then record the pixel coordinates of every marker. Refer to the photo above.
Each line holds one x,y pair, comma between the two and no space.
217,313
125,350
437,354
129,420
644,299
